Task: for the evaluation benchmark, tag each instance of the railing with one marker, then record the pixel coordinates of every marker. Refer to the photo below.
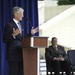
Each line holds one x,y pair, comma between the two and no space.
42,67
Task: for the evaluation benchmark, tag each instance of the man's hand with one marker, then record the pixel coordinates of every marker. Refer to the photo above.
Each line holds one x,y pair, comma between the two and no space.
33,31
59,58
56,58
15,32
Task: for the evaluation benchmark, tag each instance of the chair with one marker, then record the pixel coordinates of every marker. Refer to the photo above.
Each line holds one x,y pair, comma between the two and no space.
48,68
71,56
48,65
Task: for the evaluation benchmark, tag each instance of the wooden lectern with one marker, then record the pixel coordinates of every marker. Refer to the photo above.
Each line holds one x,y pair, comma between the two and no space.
30,47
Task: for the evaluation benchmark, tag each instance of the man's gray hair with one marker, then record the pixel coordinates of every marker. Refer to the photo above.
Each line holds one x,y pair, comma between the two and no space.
17,10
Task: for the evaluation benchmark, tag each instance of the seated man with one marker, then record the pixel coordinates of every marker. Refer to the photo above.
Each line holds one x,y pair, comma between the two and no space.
57,57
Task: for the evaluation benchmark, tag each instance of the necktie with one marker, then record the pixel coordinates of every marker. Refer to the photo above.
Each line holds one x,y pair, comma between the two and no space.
56,48
19,26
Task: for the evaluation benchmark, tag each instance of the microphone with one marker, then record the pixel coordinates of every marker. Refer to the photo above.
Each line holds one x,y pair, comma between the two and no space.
30,23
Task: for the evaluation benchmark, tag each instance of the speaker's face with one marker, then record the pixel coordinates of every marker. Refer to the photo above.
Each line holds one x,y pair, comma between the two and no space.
20,15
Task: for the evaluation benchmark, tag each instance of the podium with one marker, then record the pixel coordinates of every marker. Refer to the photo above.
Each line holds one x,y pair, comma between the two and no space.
30,47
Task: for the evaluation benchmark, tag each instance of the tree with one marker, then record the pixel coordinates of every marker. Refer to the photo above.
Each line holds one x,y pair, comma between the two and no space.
66,2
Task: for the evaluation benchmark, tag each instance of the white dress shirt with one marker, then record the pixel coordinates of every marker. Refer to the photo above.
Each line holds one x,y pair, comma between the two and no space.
18,24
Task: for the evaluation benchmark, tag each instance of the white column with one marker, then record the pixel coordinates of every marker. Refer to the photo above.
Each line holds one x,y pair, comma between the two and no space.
38,61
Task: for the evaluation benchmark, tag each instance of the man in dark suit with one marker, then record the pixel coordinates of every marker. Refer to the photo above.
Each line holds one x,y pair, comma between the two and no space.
13,36
57,57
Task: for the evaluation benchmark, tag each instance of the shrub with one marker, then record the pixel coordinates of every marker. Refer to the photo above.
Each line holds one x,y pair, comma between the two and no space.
66,2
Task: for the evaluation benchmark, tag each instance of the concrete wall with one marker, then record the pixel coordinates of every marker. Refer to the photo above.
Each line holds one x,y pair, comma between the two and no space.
53,11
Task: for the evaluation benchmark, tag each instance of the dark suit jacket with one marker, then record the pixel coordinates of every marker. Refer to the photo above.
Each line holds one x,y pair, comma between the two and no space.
51,53
13,51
